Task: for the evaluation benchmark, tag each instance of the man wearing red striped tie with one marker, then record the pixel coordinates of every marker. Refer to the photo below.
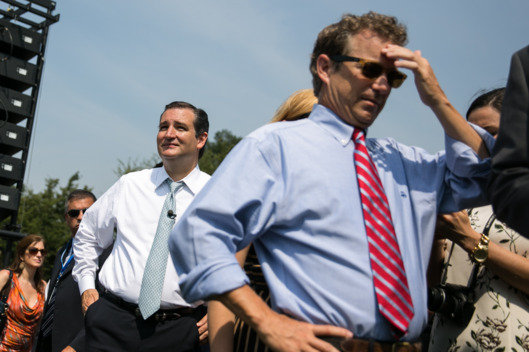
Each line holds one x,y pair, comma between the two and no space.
342,224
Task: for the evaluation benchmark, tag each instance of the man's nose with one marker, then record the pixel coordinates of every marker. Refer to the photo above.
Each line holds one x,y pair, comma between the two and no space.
381,84
171,132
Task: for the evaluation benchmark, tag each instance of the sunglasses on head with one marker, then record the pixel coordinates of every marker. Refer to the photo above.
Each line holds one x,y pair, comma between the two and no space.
373,70
34,251
73,213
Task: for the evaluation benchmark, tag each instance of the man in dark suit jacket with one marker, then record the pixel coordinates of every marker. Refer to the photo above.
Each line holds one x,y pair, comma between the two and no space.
62,325
509,183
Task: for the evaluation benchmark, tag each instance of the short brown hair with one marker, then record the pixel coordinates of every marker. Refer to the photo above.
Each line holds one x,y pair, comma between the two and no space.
333,39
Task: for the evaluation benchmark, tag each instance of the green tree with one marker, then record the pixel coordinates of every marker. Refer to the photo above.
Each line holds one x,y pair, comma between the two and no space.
217,149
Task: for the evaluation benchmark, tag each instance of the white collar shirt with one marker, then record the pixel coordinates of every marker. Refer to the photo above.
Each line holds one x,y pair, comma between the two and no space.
130,208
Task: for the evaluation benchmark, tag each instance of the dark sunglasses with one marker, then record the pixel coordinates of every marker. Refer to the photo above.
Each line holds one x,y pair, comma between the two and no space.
34,251
73,213
373,70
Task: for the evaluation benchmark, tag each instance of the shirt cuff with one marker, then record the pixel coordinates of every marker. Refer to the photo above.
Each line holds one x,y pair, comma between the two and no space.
205,282
86,283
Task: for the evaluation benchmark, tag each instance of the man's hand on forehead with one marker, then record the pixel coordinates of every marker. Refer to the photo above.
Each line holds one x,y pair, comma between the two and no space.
427,85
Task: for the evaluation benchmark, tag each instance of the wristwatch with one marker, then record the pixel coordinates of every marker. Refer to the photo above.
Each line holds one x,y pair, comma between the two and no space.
480,254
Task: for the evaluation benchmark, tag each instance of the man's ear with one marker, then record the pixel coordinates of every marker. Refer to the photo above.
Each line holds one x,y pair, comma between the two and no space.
202,139
324,67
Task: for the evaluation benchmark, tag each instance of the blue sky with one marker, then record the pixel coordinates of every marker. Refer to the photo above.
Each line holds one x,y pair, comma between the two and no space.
111,66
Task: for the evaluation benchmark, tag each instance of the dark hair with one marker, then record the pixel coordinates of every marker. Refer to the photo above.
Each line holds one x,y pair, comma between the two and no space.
78,194
201,122
334,39
20,251
492,98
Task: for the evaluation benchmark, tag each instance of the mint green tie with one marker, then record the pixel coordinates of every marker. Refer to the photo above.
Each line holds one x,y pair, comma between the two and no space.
154,274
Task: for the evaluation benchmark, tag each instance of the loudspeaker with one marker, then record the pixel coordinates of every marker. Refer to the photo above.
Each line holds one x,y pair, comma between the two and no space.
24,27
18,41
11,170
13,138
14,106
9,200
17,74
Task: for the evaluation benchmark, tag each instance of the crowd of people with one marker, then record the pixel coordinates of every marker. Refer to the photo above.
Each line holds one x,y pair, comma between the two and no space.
310,236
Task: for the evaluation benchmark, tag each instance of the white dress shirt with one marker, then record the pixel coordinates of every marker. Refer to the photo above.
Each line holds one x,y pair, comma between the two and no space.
132,207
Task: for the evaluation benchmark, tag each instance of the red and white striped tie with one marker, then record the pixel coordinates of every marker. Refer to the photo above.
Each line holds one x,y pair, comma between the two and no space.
391,285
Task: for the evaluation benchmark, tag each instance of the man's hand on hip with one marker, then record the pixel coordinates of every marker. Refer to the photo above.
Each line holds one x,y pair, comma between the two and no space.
282,333
203,330
88,297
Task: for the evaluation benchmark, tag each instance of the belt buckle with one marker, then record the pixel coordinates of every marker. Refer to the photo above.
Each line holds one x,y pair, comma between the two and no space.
397,345
160,317
137,312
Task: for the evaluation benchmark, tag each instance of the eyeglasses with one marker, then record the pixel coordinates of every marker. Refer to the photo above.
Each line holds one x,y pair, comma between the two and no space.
34,251
373,70
73,213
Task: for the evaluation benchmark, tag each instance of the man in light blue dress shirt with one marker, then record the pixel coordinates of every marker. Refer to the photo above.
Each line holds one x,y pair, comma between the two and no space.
291,189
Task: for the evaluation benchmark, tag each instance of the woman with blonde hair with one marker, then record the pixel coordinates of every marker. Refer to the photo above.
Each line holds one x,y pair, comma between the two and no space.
26,294
297,106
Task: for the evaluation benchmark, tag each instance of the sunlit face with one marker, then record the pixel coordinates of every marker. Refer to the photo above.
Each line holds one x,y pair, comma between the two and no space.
487,118
34,255
77,204
176,137
354,98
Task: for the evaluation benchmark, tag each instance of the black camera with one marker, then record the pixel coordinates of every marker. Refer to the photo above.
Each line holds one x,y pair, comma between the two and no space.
454,302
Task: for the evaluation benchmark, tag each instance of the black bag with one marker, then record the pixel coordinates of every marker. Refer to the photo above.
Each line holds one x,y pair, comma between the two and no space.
3,303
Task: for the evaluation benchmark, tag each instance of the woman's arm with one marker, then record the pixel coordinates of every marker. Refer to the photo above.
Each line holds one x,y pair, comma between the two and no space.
221,321
4,276
510,267
437,260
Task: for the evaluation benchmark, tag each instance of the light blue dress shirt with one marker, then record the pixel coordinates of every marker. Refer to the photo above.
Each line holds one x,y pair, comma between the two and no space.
291,189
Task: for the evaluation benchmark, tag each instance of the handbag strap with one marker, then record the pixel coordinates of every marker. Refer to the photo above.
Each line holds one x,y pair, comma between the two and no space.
7,287
475,267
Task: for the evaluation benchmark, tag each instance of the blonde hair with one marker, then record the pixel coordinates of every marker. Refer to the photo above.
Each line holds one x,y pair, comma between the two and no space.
298,105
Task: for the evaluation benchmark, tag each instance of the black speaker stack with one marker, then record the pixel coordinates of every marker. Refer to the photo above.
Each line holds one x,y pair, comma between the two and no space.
23,33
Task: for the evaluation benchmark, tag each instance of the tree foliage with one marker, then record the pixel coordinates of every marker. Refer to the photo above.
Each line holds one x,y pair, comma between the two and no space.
217,149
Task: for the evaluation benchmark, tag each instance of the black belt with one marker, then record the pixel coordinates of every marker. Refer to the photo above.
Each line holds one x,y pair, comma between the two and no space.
360,345
160,315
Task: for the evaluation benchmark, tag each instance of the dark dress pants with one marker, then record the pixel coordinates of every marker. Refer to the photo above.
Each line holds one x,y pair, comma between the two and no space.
112,328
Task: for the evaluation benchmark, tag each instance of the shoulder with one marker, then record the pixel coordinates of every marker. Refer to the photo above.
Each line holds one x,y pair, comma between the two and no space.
136,179
141,175
203,177
390,148
278,129
523,54
4,276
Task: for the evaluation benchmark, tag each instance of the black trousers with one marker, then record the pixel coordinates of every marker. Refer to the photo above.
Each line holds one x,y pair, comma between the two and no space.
112,328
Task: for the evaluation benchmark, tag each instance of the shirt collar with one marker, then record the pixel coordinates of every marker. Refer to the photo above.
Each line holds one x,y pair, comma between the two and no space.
333,124
191,181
